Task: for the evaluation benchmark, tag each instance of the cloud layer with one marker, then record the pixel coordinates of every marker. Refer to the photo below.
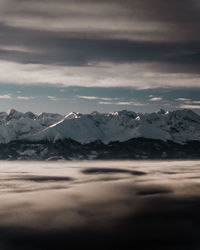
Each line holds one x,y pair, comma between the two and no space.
100,205
135,43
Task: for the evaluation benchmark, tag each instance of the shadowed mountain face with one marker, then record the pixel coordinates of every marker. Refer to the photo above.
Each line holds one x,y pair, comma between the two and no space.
178,126
100,205
115,135
139,148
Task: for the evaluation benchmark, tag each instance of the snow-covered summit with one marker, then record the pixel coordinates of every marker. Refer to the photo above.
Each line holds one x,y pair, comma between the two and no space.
178,126
72,115
15,125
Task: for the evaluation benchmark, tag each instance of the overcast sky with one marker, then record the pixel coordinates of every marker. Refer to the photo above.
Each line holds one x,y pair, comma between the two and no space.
81,55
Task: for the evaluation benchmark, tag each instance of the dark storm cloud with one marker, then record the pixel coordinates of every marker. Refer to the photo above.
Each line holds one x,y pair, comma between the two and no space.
182,16
110,171
163,34
36,178
45,47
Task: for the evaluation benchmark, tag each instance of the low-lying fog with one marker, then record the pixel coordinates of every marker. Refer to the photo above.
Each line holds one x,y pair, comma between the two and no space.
100,205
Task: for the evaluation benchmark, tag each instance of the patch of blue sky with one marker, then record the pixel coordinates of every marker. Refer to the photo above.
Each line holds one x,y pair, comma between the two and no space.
86,99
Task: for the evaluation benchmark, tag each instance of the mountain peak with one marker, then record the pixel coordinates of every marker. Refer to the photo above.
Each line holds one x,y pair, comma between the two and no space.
14,114
95,113
186,113
178,126
161,111
12,111
124,113
72,115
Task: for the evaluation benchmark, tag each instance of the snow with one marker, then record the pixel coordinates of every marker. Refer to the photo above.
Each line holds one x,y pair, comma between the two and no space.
16,125
137,118
178,126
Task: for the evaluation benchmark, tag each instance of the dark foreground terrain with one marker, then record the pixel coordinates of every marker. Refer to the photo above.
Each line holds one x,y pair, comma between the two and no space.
100,205
138,148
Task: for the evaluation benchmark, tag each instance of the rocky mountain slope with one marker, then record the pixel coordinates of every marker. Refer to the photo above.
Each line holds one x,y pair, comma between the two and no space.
137,148
115,135
16,125
178,126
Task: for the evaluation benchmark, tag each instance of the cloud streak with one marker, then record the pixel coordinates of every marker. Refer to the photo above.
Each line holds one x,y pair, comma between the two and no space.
189,106
122,103
99,75
97,98
52,98
156,99
134,43
6,96
25,97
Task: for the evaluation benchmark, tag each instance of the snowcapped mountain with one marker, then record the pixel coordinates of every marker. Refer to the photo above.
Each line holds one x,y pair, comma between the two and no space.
115,135
177,126
16,125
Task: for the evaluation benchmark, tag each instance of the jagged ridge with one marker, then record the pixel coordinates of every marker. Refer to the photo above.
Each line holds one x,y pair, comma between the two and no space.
138,148
177,126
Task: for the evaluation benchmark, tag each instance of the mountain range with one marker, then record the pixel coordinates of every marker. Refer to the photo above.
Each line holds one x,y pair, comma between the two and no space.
115,135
